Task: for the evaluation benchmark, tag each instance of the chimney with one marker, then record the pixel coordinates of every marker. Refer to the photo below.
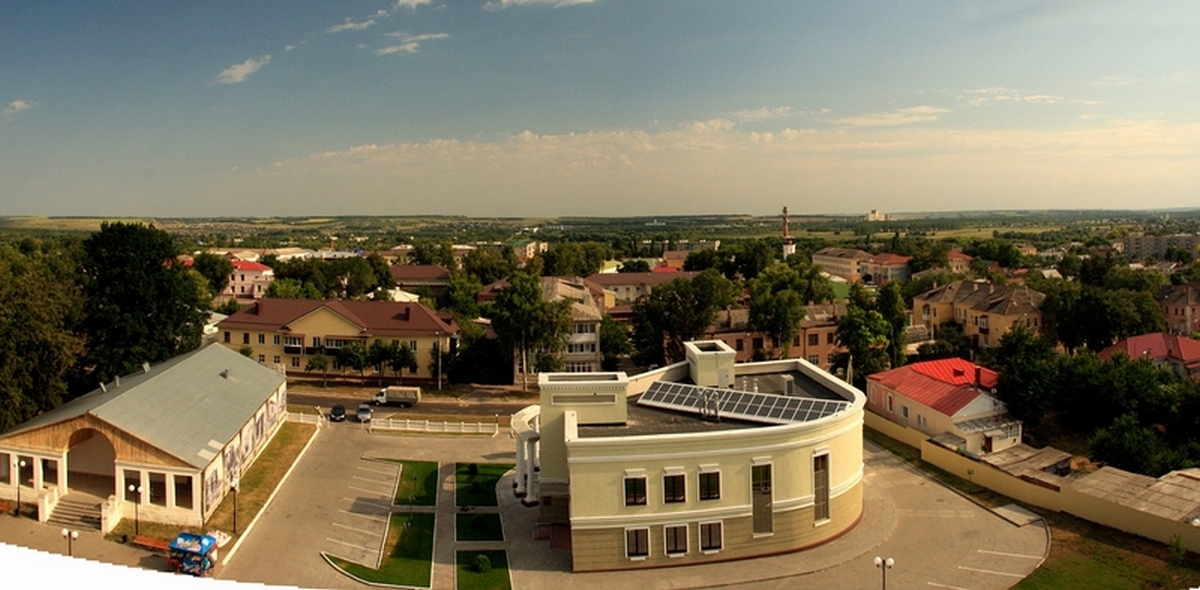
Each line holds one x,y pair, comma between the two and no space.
258,307
978,376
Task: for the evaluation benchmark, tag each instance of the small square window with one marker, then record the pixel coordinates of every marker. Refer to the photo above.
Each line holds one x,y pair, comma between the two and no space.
710,485
814,339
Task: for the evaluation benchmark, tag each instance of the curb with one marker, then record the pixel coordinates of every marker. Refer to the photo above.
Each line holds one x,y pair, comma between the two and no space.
267,504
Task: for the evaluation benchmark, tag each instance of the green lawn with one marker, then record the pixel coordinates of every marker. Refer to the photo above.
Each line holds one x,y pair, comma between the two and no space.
478,489
469,578
477,527
418,483
408,554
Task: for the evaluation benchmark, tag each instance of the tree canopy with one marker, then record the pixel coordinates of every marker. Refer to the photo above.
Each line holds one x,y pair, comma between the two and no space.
525,321
676,312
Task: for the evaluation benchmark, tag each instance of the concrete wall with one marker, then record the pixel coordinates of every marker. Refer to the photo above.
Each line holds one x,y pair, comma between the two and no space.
1129,520
909,436
991,478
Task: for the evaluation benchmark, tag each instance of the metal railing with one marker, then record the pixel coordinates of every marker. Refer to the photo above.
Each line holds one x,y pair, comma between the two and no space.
434,426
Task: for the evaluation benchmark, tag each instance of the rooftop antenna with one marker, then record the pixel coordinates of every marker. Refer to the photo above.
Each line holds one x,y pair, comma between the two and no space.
789,246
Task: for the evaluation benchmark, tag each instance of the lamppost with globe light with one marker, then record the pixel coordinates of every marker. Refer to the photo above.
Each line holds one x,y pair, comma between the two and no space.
884,565
70,536
20,467
136,489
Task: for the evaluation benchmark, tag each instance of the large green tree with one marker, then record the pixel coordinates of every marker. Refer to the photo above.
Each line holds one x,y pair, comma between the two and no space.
526,322
864,333
215,268
677,312
890,304
1028,374
142,306
40,305
614,342
777,305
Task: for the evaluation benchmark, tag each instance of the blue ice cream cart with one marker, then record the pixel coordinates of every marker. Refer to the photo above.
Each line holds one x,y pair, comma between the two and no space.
193,554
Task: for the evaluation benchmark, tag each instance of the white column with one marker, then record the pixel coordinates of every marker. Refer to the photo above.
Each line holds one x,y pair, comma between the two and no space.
144,482
532,491
520,489
37,473
169,478
62,475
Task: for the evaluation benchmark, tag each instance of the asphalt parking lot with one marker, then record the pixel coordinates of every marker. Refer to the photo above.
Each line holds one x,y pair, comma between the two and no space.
360,523
937,538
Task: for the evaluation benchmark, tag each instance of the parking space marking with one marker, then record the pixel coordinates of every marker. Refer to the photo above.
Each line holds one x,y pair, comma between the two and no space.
373,550
1010,554
380,503
362,490
378,481
983,571
389,473
350,528
937,585
366,516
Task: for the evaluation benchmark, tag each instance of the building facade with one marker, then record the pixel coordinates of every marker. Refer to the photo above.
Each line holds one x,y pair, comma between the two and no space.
1181,307
249,280
288,333
842,262
986,311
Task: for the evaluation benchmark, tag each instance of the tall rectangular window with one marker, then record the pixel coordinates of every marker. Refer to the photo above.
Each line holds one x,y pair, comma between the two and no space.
813,339
262,338
674,489
637,543
710,485
676,539
635,491
821,488
245,338
760,502
711,537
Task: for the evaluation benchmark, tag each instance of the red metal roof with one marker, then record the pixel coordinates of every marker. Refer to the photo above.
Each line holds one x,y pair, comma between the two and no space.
1156,347
373,318
247,266
946,385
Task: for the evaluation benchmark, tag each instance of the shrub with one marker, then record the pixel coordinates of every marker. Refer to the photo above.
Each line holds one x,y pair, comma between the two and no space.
478,523
473,469
483,565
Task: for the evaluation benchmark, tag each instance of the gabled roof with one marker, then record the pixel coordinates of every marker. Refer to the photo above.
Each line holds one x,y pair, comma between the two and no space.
609,280
1158,346
958,255
947,386
833,252
373,318
985,297
248,266
1180,295
179,405
889,258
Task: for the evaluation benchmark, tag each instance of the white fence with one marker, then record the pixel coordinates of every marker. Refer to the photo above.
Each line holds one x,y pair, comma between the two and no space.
434,426
302,418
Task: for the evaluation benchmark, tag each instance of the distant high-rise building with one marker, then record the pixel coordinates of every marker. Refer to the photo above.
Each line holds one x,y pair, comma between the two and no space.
876,215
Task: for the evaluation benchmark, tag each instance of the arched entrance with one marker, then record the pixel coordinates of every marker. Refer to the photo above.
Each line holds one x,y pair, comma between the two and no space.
91,463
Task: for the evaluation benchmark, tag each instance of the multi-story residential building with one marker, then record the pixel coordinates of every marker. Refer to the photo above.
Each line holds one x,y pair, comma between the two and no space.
698,462
249,280
287,333
952,400
841,262
582,354
986,311
628,287
884,267
527,249
1180,353
1181,307
1143,246
816,342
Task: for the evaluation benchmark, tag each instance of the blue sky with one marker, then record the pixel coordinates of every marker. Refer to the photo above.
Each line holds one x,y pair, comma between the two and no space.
603,107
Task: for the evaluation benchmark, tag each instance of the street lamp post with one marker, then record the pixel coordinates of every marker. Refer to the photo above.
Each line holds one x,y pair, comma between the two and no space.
234,488
20,467
136,489
70,536
884,565
971,480
439,360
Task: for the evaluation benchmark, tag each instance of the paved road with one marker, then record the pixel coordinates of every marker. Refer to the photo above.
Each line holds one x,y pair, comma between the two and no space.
480,404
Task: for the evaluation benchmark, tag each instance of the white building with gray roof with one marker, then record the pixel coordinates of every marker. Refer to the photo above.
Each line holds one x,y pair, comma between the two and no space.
182,431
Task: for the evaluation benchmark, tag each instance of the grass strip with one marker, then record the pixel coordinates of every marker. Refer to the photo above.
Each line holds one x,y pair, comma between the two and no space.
476,486
477,527
408,554
470,578
418,483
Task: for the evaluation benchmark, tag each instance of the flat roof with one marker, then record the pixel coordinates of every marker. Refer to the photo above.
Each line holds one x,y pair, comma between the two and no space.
643,420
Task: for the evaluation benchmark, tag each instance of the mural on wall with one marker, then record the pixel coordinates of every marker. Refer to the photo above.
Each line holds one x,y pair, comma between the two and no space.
233,462
212,487
249,441
260,429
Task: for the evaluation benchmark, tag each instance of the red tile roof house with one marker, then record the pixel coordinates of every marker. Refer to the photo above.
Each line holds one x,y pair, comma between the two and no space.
412,277
951,400
249,279
1180,353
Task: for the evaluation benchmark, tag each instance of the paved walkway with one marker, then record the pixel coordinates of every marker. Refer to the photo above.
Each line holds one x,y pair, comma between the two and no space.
28,532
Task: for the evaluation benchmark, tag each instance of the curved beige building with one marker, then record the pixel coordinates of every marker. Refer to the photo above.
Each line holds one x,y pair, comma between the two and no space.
697,462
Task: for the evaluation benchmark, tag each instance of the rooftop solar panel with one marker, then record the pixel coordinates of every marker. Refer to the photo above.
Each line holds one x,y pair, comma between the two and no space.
745,405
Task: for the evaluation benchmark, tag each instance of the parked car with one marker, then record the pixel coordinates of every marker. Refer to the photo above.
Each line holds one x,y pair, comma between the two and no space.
364,413
338,413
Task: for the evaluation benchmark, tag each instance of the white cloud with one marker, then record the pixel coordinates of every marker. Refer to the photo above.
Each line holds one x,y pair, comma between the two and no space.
906,116
985,96
17,106
502,4
239,72
409,43
762,113
350,25
411,4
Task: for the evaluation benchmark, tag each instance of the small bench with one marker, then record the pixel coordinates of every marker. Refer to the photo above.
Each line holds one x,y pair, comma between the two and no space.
5,507
151,543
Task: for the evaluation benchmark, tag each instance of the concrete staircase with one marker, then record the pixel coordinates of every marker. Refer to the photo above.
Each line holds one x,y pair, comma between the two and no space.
77,512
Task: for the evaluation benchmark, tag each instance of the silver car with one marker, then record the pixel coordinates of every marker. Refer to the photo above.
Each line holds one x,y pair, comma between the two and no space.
364,413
